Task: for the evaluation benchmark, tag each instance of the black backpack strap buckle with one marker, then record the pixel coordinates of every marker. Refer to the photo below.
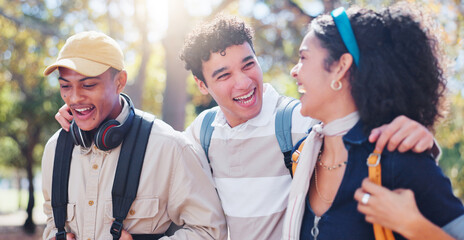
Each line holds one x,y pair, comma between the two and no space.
116,229
61,234
288,161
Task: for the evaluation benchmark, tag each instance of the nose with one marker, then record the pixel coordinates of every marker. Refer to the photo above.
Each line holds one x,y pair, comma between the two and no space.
294,71
74,96
243,81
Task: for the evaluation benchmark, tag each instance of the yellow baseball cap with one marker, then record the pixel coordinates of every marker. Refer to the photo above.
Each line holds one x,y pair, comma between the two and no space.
89,53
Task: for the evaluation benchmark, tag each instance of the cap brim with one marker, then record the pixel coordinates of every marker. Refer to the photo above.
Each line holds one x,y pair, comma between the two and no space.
83,66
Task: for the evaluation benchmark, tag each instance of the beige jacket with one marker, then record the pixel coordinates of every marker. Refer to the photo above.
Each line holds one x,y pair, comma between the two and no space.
173,188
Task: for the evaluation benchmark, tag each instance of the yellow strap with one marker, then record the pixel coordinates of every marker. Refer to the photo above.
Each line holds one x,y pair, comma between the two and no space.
296,157
375,175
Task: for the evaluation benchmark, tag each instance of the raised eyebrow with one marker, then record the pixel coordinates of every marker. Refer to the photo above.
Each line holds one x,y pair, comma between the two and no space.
218,71
80,80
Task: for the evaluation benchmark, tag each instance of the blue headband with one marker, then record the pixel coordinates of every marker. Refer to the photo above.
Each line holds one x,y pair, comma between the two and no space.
344,28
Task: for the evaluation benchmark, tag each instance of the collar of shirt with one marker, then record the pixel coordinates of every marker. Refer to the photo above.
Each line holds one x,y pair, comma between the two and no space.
124,112
356,136
270,98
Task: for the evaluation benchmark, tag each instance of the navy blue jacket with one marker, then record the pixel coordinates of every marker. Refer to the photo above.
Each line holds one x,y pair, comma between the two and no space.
418,172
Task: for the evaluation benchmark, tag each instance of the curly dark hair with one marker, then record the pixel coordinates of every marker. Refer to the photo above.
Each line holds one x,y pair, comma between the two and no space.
399,69
215,36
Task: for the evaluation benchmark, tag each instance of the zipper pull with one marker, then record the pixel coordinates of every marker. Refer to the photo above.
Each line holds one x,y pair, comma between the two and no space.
315,229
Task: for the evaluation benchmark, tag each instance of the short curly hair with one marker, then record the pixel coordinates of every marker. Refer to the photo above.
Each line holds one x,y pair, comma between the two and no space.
399,69
215,36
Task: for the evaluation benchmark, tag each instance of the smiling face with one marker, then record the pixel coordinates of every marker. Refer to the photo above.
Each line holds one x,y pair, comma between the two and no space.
235,81
313,79
92,100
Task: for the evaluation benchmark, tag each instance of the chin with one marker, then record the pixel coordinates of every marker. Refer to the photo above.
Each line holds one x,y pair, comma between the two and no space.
87,127
305,112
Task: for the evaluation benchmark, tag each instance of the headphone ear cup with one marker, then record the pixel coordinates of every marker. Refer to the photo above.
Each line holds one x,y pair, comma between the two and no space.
108,135
80,137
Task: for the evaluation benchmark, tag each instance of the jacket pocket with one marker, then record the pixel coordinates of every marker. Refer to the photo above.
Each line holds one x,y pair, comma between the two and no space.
71,220
140,218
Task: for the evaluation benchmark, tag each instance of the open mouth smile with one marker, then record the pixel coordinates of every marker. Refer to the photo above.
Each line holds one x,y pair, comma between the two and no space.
301,89
84,111
247,98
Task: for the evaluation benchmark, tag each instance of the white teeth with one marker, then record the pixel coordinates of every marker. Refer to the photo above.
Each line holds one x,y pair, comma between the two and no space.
82,109
246,96
301,89
246,102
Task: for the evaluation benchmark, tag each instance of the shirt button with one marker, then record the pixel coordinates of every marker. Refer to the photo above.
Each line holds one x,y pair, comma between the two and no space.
132,212
90,203
95,166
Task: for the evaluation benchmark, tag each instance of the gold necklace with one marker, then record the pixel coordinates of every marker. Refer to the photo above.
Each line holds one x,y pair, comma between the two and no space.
315,180
330,168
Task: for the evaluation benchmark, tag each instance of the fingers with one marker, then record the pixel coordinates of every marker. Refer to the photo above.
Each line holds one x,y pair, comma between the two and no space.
63,117
65,111
125,235
405,194
62,121
358,194
386,136
403,134
392,134
366,208
418,140
410,141
70,236
374,136
425,142
372,188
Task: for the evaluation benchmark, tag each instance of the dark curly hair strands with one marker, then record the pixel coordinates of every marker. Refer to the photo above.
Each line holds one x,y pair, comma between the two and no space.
216,36
399,71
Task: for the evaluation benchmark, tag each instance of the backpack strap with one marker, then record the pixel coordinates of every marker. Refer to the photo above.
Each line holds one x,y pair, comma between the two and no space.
126,179
296,154
206,132
283,129
60,179
375,175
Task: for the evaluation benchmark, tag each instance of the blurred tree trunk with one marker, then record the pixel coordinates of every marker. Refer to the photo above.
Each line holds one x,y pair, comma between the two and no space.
175,94
33,130
18,179
29,225
135,90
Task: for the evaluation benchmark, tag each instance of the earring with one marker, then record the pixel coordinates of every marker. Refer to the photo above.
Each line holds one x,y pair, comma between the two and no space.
336,85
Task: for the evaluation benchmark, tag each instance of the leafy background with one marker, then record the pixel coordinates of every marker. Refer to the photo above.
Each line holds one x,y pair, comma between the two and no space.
151,33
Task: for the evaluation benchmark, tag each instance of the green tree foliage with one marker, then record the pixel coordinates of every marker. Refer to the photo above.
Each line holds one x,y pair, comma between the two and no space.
29,101
33,31
450,135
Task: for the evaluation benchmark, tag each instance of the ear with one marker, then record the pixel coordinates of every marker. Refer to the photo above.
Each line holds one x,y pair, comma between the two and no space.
201,86
121,80
342,66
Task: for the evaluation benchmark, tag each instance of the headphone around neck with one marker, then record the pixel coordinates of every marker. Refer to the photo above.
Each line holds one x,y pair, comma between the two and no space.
109,134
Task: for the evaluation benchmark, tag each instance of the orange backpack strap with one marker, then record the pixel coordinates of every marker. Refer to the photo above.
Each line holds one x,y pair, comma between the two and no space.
296,157
375,175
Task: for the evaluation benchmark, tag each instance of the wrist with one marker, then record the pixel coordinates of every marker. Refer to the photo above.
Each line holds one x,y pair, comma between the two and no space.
415,228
